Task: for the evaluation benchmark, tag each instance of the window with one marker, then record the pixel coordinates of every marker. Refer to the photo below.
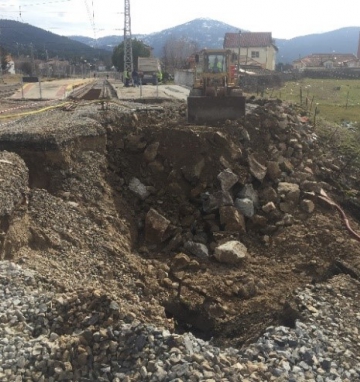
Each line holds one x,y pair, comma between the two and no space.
328,64
255,54
216,63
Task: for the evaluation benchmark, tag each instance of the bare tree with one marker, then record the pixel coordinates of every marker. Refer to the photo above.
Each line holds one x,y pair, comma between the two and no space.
24,66
176,52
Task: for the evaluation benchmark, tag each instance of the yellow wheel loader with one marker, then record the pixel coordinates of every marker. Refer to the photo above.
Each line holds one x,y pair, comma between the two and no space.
214,96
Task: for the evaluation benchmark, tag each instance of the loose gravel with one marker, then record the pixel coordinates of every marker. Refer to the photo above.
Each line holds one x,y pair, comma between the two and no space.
46,335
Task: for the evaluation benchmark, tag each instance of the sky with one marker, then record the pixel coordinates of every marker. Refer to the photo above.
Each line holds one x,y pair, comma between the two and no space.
97,18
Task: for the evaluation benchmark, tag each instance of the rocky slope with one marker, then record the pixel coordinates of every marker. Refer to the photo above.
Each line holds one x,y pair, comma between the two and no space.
132,215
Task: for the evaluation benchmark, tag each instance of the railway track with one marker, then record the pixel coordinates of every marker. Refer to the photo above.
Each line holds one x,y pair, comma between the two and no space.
100,89
11,110
8,90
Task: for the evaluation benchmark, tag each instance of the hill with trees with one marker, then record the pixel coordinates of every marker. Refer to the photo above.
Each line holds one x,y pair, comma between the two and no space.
21,39
344,40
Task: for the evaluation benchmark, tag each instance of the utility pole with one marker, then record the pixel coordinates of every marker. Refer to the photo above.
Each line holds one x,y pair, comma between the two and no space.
1,78
32,59
128,56
238,63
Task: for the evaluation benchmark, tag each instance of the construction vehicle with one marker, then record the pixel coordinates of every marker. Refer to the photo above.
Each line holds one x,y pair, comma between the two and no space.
149,69
214,97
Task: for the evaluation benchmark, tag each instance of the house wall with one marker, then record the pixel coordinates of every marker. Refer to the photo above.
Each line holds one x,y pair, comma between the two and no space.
298,65
271,58
317,63
353,64
267,55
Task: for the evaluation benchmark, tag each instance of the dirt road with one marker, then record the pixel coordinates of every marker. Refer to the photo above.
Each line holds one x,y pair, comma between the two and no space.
171,91
60,89
56,89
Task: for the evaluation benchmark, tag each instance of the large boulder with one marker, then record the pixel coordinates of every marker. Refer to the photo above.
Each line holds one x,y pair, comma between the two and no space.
232,219
227,179
231,252
192,171
256,168
138,188
268,194
180,261
268,207
289,191
155,227
151,151
216,200
245,206
307,206
197,249
248,192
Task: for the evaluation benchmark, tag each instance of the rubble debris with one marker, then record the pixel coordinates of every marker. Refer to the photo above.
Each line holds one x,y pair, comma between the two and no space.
138,188
230,252
145,208
155,227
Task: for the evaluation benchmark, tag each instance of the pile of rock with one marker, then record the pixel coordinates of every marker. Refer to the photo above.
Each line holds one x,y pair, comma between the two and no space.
145,211
266,180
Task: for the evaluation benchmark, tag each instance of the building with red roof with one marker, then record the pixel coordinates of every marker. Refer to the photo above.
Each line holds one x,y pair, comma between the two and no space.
327,61
252,48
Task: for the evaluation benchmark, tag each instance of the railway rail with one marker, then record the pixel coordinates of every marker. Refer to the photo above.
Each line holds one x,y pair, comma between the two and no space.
8,90
100,89
11,110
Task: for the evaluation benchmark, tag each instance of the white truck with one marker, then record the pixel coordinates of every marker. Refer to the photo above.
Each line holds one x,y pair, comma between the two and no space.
149,70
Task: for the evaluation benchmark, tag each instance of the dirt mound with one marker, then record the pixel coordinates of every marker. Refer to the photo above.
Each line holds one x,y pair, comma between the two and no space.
203,228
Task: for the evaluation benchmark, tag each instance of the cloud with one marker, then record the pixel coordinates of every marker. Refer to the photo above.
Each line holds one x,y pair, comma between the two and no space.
67,17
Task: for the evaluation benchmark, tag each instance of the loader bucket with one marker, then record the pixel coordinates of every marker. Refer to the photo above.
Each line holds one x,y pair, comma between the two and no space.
214,109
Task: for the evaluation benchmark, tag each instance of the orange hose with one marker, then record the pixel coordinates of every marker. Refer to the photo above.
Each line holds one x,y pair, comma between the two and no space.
326,199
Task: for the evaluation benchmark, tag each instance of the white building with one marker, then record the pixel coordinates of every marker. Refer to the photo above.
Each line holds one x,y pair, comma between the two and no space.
255,48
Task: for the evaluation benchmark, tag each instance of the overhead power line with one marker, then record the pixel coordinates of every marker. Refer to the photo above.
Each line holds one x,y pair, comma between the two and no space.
33,4
92,19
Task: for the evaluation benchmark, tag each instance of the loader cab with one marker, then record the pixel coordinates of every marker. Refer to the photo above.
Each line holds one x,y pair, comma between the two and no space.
215,63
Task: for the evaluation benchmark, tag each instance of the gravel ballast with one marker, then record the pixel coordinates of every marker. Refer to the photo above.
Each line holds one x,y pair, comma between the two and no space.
81,336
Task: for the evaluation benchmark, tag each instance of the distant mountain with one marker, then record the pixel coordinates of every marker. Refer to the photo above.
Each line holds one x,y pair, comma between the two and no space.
107,43
344,40
210,33
206,33
17,39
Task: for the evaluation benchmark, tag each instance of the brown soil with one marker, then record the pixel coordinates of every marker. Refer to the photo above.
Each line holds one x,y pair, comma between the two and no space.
82,227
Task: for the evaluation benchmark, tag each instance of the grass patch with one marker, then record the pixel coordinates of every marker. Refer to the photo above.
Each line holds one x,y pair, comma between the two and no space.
337,119
336,100
344,143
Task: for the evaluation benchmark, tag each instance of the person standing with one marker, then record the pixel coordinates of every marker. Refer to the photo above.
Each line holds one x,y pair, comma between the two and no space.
126,79
135,77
